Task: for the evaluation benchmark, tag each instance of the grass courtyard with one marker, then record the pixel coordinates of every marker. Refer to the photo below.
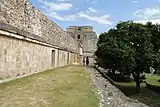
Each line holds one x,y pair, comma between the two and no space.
153,79
146,96
62,87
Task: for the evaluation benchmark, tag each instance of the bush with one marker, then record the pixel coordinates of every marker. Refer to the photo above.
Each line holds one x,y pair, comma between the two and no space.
158,80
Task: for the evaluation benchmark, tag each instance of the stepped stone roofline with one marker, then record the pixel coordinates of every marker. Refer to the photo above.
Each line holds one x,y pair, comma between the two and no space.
15,30
36,9
80,26
35,22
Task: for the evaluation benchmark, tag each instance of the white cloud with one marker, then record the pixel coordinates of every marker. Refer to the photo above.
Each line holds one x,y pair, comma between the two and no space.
63,18
100,19
92,10
51,8
56,6
135,1
148,13
154,21
104,19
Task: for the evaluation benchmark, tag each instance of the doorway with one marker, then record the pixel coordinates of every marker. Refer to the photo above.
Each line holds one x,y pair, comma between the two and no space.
53,58
68,58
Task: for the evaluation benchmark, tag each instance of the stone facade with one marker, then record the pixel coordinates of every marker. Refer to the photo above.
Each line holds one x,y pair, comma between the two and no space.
21,56
30,42
21,14
86,38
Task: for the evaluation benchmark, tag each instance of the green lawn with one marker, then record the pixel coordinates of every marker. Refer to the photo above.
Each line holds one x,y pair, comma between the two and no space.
146,96
153,79
62,87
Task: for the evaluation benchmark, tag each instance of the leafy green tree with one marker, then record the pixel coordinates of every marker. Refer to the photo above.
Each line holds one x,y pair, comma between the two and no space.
128,48
155,31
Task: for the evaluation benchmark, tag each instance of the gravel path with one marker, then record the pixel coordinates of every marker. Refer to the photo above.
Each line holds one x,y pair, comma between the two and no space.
109,95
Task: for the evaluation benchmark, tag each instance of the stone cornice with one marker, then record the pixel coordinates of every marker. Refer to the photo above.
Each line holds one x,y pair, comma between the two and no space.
15,32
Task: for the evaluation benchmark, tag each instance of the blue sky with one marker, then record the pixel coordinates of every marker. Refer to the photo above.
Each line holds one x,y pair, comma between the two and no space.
101,14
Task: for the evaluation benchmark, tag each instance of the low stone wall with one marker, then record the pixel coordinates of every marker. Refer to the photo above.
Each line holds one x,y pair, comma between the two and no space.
153,87
105,76
109,95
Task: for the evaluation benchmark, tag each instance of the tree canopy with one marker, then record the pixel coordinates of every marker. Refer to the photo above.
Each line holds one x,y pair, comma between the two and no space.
130,48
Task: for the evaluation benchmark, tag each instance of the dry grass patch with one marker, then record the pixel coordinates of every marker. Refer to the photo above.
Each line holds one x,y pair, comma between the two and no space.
62,87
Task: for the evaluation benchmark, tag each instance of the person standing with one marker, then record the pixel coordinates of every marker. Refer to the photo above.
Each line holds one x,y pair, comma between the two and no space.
84,61
87,61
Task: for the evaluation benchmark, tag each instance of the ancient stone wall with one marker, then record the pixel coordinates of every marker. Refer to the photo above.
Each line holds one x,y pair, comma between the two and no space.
21,14
21,56
90,42
84,35
87,37
30,42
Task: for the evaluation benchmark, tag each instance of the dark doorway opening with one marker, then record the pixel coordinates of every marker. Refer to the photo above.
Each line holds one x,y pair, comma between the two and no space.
53,58
79,37
68,58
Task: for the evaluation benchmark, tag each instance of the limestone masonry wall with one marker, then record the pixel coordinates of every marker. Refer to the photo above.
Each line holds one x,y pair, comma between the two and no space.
30,42
21,14
19,57
87,37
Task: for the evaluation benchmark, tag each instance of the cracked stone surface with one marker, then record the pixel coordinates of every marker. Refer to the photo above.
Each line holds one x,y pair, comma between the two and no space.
109,95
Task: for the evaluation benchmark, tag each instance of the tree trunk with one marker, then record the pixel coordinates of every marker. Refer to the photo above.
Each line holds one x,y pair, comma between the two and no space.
138,83
113,72
137,86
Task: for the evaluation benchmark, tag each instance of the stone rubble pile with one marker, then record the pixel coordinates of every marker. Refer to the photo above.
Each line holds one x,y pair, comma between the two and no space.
109,95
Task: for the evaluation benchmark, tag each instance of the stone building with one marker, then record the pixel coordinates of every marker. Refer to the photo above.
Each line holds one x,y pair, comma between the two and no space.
30,42
87,39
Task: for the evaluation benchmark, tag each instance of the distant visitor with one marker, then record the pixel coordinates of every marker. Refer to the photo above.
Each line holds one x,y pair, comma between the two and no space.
84,61
87,61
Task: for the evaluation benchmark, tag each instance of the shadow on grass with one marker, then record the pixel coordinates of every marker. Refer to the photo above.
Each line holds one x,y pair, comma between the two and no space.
146,96
119,78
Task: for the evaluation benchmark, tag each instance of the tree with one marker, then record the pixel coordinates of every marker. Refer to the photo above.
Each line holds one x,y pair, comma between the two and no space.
107,51
155,31
128,48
